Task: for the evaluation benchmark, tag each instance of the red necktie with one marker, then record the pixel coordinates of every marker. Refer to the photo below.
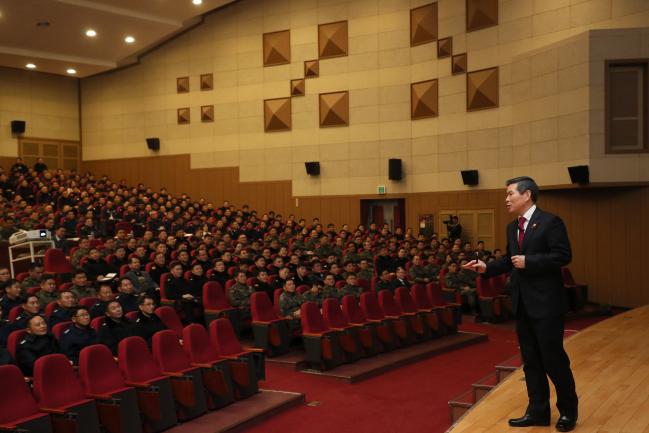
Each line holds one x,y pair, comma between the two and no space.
521,231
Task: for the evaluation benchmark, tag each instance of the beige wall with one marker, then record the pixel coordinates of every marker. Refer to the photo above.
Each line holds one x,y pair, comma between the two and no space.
48,103
121,109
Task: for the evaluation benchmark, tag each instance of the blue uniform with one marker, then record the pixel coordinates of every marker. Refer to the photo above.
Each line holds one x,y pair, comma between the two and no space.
76,338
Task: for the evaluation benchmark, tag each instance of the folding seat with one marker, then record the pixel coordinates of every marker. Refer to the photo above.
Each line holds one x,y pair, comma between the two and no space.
216,370
131,315
276,294
320,342
384,328
348,335
123,270
33,290
433,316
217,305
21,276
117,404
59,393
449,295
186,380
60,328
365,284
490,308
170,318
13,339
340,284
271,332
499,283
88,301
14,313
577,292
401,322
18,410
367,332
97,322
246,365
164,301
56,263
303,288
451,312
419,320
65,286
154,392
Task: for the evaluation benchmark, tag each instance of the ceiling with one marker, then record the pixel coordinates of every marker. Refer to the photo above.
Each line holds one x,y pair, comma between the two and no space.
60,42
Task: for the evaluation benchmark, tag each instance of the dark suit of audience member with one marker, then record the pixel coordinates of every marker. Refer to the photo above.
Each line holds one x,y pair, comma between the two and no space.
74,339
59,315
142,282
384,263
95,268
99,309
175,288
220,277
396,283
33,347
112,331
128,301
147,325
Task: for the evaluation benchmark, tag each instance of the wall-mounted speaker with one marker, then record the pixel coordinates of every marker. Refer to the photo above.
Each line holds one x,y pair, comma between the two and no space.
579,174
153,143
470,177
18,126
312,168
394,169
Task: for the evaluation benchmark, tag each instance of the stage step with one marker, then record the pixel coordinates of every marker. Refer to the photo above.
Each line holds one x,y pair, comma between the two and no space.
460,405
507,367
484,385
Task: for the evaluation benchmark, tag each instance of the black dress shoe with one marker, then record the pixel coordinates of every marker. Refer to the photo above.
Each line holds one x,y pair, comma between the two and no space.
528,421
566,423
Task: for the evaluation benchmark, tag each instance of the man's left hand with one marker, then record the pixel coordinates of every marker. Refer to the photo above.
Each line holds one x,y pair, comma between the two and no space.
518,262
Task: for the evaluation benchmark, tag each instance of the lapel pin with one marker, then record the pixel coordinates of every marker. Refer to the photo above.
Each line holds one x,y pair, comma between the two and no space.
534,226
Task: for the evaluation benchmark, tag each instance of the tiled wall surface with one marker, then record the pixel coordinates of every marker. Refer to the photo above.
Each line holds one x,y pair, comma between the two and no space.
48,104
544,123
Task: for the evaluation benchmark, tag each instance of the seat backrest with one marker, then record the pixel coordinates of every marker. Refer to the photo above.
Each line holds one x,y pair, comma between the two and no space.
60,328
261,308
98,371
163,280
197,344
214,297
14,312
168,352
123,270
223,337
276,294
370,306
55,261
16,401
21,276
170,318
405,301
332,314
312,321
55,383
365,284
131,315
340,284
302,288
88,301
65,286
97,322
388,304
434,294
373,282
135,361
442,278
352,310
12,341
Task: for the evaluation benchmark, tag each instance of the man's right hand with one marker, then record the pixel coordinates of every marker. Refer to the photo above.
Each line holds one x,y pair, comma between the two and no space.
476,265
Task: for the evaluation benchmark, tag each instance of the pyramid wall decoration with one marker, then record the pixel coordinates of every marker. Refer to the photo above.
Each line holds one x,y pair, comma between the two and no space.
424,99
183,115
207,113
482,89
444,47
481,14
298,87
458,64
311,68
182,85
277,48
334,109
277,114
207,82
332,40
423,24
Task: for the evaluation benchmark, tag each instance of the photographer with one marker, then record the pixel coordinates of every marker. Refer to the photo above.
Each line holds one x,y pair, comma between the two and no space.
454,228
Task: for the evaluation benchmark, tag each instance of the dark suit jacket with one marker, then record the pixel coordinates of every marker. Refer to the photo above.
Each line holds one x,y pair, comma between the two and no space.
539,287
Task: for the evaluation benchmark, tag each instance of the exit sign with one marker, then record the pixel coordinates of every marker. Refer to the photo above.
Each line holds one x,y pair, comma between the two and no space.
380,189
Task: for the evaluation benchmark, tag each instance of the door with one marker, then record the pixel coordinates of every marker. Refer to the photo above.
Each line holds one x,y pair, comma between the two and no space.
477,225
55,153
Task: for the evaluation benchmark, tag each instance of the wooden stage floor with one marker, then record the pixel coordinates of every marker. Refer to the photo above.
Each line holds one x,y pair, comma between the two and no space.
610,361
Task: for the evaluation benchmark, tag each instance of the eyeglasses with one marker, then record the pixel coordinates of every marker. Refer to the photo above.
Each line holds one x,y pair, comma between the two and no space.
83,315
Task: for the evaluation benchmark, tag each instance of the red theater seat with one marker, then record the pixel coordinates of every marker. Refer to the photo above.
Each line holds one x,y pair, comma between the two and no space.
216,304
320,342
451,314
18,409
419,320
348,334
170,318
12,341
370,306
271,332
56,262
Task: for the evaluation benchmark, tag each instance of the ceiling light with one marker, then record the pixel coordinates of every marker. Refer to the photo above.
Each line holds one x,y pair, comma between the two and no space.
71,71
91,33
30,66
197,2
129,39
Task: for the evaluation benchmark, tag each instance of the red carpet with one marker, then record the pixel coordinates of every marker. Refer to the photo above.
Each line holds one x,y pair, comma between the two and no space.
413,398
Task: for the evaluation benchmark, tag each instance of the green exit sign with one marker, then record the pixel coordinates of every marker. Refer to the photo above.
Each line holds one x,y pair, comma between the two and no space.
380,189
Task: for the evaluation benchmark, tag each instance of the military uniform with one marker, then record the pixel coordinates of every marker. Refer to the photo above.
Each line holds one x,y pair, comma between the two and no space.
6,304
453,280
59,315
33,347
46,297
28,283
365,274
316,297
260,286
367,255
383,285
239,297
433,271
99,309
468,277
351,290
78,255
289,303
128,301
419,274
352,257
113,331
146,326
76,338
331,292
324,250
83,291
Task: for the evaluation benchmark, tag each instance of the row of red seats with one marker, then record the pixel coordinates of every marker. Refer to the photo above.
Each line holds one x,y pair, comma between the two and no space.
171,382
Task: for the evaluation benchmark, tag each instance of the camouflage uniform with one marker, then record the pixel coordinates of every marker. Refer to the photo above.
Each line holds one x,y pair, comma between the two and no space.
351,290
366,274
289,303
29,282
83,292
78,255
382,285
433,271
317,297
369,256
45,298
239,296
453,280
419,274
331,292
352,257
468,277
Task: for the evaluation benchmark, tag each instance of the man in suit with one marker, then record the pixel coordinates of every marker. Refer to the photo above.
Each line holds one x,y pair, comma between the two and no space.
537,248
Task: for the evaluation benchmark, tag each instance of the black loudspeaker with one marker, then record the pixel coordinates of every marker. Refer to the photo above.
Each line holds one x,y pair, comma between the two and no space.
579,174
17,126
470,177
153,143
312,168
394,169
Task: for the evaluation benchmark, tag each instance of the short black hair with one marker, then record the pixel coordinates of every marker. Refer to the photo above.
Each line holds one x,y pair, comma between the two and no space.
143,298
525,183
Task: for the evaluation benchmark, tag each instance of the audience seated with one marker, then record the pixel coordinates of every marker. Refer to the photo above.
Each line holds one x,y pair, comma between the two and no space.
37,342
115,328
64,308
147,322
78,335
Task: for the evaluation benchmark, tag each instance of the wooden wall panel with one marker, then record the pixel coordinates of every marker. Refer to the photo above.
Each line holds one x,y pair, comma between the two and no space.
605,224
